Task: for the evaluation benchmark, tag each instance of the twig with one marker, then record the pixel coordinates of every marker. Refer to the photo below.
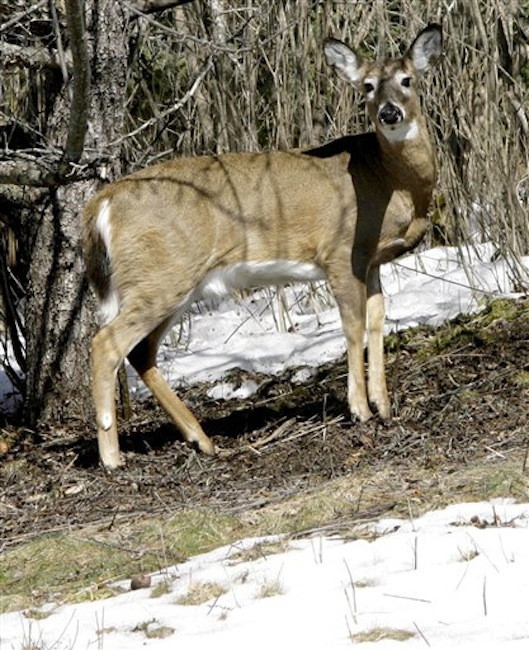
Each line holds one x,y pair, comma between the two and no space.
411,515
354,609
420,632
176,106
418,600
26,12
455,283
153,6
349,628
318,553
494,452
261,443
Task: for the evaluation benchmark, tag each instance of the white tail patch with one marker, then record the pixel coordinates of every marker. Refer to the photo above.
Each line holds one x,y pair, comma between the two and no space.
103,224
109,306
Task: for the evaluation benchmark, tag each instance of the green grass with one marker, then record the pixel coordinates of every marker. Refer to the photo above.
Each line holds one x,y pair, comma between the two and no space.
75,567
475,329
80,566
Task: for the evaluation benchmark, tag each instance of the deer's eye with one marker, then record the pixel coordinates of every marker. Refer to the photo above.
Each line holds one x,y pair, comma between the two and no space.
406,82
368,88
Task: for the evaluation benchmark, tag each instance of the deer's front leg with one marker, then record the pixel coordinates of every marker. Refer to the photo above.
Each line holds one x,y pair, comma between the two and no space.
351,295
390,249
376,313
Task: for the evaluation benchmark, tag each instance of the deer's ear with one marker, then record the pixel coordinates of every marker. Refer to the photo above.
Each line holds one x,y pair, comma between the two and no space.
347,64
426,49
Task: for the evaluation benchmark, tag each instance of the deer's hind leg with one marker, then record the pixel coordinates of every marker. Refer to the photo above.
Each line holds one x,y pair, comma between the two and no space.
143,359
109,347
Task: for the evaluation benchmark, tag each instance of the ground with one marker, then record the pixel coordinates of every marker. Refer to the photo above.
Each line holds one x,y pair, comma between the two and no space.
460,398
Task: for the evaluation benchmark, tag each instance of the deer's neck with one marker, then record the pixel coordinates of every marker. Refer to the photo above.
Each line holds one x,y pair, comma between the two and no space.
410,162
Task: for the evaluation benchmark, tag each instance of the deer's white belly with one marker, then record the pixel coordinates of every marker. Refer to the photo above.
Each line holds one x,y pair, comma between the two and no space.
247,275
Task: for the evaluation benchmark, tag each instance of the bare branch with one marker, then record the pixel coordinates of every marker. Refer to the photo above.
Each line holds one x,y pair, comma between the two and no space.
175,107
59,44
81,81
26,57
24,13
29,171
152,6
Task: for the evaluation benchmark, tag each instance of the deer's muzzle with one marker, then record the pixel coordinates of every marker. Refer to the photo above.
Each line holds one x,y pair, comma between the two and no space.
390,114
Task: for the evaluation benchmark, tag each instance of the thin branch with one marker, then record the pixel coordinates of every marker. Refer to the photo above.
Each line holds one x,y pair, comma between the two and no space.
31,172
520,114
152,6
18,17
42,168
81,81
26,57
188,38
175,107
59,45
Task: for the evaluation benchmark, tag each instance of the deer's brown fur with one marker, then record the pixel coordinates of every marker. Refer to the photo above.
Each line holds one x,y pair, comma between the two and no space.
161,238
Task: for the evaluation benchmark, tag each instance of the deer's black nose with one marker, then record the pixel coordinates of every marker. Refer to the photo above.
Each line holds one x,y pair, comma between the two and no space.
390,114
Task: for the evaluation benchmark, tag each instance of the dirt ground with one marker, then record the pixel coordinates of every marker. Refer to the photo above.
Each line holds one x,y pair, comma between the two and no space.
460,395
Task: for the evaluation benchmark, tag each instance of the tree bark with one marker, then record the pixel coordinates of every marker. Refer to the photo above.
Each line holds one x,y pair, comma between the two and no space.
29,57
60,313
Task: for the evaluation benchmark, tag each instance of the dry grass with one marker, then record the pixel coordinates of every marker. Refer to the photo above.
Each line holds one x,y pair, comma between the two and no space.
269,88
70,568
270,589
153,630
260,550
163,588
376,634
199,593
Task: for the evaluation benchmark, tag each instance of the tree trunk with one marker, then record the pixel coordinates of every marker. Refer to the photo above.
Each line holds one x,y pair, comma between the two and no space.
59,318
60,312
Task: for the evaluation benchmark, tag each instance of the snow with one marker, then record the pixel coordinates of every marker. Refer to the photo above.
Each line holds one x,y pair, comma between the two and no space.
427,288
453,578
445,581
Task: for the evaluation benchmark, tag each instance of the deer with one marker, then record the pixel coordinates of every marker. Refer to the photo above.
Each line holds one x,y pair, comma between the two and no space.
192,228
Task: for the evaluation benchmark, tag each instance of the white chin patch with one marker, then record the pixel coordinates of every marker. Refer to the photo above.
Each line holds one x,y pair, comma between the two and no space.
401,132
